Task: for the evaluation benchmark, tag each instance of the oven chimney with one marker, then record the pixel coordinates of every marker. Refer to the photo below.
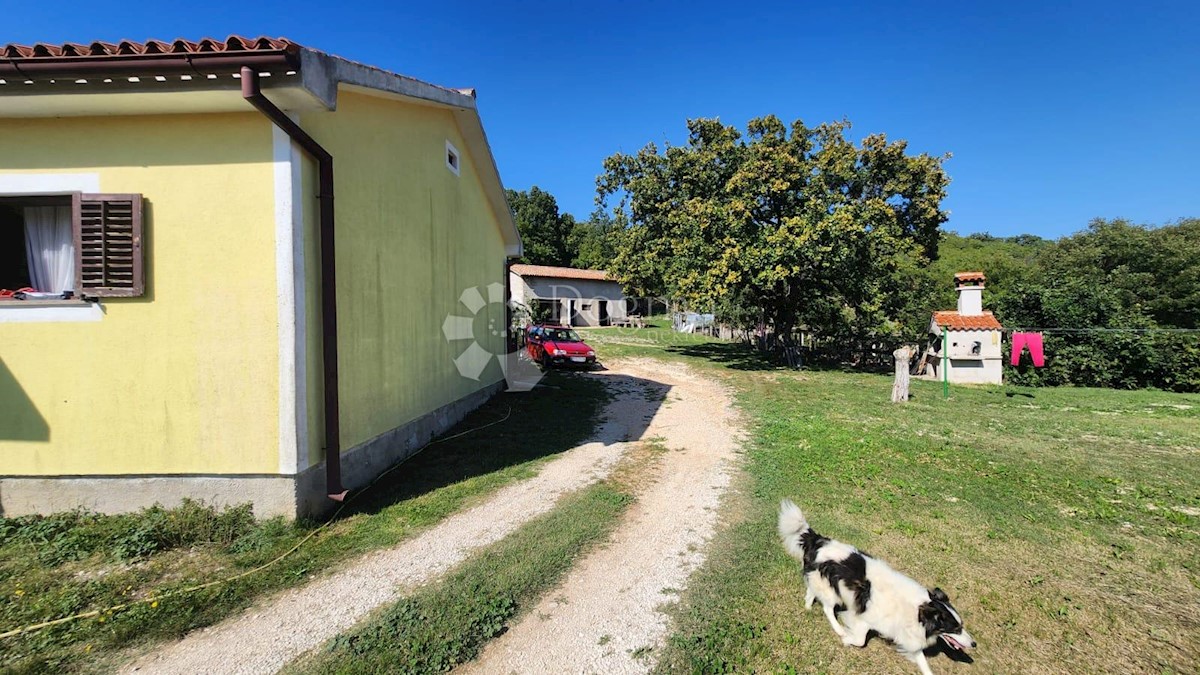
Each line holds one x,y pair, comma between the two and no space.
970,293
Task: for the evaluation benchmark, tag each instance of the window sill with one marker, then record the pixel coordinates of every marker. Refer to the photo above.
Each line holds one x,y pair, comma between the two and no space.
8,303
49,311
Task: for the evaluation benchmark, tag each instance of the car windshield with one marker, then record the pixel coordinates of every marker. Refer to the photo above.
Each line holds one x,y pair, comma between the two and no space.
561,335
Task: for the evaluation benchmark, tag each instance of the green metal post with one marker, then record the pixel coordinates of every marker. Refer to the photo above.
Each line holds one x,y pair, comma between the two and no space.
945,362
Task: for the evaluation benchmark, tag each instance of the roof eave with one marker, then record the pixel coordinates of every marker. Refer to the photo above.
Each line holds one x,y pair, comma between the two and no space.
202,63
320,74
552,272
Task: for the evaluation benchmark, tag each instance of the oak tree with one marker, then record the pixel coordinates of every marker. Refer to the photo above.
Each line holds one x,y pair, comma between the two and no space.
797,222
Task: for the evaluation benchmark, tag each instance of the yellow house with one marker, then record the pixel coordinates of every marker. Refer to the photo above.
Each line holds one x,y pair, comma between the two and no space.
204,319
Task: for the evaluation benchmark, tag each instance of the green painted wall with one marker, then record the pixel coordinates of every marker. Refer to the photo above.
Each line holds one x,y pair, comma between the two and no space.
412,236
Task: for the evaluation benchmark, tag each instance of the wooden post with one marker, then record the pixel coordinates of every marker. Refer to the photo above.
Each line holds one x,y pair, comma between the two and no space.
900,386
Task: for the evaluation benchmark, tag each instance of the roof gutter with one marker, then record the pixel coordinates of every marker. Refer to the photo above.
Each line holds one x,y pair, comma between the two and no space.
202,63
333,449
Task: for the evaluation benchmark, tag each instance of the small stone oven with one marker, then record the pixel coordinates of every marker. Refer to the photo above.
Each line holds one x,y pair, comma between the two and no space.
973,351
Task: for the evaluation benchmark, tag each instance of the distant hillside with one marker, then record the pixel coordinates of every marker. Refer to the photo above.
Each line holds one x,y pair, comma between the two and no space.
1005,260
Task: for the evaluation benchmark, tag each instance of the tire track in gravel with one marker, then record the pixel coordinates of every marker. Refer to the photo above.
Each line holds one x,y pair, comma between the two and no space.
607,617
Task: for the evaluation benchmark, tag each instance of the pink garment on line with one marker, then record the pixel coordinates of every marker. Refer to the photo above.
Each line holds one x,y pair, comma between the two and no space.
1034,342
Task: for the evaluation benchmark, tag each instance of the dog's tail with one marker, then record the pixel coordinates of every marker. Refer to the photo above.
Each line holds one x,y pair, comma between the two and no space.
792,525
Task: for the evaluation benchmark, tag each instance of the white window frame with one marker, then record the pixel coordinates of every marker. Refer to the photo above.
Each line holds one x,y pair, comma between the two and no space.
455,166
48,184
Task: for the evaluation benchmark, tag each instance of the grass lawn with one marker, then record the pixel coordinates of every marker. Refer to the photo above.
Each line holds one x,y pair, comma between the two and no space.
68,563
1062,522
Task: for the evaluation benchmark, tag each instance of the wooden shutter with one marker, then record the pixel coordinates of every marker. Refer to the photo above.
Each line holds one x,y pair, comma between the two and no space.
108,245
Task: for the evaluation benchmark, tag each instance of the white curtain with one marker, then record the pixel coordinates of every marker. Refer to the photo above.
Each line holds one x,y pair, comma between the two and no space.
50,246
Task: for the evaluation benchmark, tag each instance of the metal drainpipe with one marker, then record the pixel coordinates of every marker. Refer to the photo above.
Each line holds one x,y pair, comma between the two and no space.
328,281
510,341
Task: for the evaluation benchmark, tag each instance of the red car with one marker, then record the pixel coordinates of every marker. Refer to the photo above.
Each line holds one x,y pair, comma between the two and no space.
552,345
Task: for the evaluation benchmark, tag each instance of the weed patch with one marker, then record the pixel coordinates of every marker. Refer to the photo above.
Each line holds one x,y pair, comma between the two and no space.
74,535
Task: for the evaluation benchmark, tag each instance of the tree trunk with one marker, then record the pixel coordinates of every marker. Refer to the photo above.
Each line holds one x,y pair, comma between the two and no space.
900,386
789,350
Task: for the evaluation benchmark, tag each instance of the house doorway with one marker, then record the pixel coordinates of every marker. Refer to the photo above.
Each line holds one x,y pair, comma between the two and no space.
543,311
604,318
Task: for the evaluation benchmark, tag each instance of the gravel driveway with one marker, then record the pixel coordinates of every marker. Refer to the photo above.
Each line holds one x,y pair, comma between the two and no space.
611,599
607,617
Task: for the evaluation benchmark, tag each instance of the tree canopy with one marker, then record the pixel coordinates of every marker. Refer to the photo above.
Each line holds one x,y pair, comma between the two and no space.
555,238
544,231
797,222
1113,275
594,240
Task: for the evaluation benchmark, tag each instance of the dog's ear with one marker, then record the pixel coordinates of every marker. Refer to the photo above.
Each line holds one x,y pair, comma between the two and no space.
927,614
939,595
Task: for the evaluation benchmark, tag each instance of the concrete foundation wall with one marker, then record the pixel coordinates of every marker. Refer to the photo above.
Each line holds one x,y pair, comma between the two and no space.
23,495
361,464
272,495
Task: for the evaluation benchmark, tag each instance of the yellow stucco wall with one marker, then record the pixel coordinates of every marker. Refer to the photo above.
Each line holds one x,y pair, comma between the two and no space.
411,237
185,379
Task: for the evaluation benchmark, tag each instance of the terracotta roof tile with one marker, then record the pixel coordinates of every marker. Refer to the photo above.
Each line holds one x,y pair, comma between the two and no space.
970,276
955,321
233,43
559,272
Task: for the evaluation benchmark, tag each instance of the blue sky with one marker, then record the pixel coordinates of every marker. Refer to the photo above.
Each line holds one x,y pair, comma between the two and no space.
1054,114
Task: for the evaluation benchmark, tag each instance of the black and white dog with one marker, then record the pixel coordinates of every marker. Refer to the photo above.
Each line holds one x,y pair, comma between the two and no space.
868,595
